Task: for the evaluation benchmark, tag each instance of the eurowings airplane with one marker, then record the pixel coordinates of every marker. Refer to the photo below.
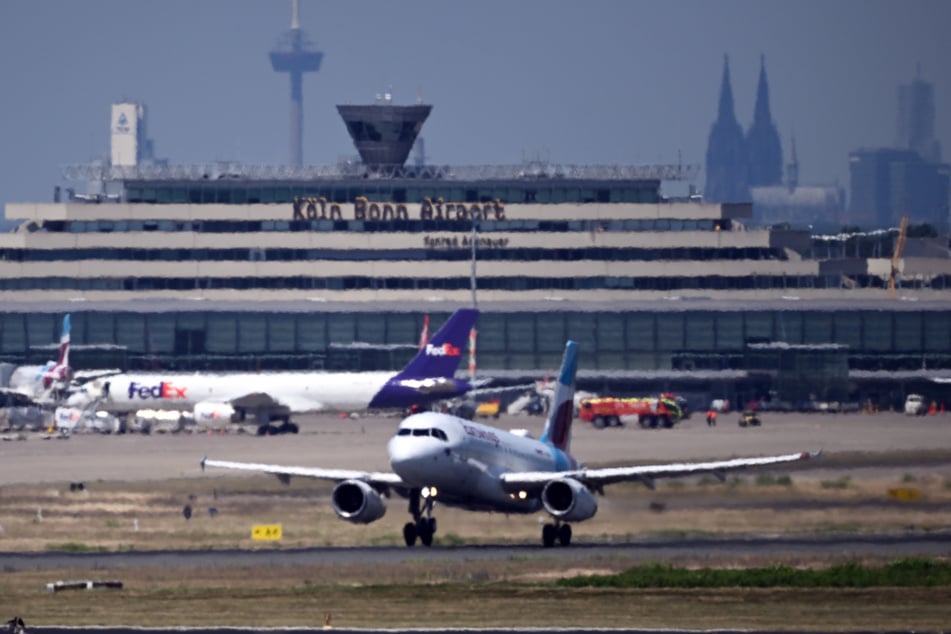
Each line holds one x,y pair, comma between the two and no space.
266,397
456,462
42,383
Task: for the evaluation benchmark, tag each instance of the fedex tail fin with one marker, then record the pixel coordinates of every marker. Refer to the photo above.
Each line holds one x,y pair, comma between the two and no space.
558,427
440,357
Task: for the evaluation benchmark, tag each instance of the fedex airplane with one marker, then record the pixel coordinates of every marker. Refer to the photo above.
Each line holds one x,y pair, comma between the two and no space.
429,377
441,458
43,383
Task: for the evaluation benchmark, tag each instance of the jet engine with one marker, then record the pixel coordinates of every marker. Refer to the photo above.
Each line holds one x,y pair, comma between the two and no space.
357,502
217,412
569,500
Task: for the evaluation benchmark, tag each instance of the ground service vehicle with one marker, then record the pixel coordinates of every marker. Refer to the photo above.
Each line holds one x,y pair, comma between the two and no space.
749,418
915,405
611,412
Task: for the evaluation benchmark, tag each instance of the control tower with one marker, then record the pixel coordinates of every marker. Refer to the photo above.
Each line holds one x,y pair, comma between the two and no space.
296,55
384,133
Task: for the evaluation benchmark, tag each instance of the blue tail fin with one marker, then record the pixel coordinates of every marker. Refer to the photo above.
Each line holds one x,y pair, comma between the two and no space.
558,427
440,357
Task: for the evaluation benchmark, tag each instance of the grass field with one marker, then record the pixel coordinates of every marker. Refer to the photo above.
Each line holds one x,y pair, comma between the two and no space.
111,516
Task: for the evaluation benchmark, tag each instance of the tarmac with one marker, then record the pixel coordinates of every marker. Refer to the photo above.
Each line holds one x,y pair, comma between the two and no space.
344,442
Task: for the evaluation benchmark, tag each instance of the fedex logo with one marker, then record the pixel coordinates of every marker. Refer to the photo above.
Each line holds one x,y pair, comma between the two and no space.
445,350
163,390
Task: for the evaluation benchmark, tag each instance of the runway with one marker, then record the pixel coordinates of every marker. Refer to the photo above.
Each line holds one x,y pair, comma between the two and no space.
668,550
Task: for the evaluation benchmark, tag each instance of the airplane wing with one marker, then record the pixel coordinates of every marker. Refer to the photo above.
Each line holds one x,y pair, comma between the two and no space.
596,478
84,376
10,397
257,400
284,472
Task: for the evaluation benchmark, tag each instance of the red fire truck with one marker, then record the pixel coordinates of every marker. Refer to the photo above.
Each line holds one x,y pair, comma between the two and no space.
610,412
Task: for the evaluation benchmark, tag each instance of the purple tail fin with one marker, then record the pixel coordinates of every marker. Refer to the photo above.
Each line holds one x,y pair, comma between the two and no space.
440,357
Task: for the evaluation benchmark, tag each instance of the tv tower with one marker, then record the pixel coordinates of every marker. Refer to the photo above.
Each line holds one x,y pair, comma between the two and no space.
296,55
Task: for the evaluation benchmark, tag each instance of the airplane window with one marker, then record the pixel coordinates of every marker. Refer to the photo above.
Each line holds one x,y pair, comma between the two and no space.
404,432
440,434
420,432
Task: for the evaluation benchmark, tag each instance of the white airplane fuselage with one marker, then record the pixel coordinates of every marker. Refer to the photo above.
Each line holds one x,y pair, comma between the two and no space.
323,390
466,466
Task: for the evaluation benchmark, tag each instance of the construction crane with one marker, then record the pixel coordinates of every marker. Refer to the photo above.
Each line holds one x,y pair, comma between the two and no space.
896,254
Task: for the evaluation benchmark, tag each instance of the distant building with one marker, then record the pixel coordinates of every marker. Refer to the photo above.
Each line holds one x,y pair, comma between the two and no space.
916,112
887,183
727,164
129,142
818,207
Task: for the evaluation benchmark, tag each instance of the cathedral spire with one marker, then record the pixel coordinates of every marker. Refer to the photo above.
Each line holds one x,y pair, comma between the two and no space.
725,113
761,113
762,139
727,166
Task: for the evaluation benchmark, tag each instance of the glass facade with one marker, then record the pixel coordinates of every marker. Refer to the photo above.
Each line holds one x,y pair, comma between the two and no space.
532,341
398,191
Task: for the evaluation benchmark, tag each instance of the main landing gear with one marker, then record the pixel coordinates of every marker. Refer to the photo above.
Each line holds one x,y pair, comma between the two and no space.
423,526
556,531
286,427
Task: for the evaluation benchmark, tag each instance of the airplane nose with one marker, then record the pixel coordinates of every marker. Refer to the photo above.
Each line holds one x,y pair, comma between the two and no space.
411,460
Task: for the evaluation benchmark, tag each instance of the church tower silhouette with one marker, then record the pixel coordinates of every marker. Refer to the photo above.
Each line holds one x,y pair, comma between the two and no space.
727,166
762,139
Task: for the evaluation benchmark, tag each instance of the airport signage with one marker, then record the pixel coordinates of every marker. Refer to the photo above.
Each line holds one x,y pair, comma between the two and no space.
319,208
266,532
463,242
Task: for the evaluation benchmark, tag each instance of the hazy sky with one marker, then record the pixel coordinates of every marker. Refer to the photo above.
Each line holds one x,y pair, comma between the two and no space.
576,82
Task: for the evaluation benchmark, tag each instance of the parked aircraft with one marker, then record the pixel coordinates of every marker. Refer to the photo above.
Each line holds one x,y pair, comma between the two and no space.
441,458
266,397
43,384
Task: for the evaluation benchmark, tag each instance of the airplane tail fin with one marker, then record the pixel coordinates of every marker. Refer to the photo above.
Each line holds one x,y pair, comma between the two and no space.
558,427
64,343
440,357
424,334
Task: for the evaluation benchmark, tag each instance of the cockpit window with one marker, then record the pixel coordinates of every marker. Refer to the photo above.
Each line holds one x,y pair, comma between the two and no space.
434,432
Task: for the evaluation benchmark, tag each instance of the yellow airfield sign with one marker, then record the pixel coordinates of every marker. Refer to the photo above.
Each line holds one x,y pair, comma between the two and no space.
905,494
267,532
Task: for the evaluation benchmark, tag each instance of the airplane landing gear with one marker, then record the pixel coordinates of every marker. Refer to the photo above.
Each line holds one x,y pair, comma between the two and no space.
423,526
556,531
286,427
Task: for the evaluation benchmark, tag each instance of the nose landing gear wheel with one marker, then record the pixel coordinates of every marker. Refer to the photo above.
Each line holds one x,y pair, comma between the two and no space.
426,527
423,526
409,534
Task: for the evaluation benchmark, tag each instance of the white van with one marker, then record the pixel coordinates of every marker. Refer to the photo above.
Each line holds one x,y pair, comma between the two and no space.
915,405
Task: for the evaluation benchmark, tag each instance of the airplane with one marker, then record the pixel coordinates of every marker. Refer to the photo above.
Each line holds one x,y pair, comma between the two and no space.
441,458
428,377
44,383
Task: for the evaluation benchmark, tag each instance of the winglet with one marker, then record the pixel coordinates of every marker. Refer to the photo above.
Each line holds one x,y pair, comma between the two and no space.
203,459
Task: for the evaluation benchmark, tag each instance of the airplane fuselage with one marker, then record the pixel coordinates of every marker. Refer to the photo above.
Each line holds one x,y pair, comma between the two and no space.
313,391
464,460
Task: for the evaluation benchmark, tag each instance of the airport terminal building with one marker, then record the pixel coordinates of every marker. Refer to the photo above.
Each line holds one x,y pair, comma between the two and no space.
235,266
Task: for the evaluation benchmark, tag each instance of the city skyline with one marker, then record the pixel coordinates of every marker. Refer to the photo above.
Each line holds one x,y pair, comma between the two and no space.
608,82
